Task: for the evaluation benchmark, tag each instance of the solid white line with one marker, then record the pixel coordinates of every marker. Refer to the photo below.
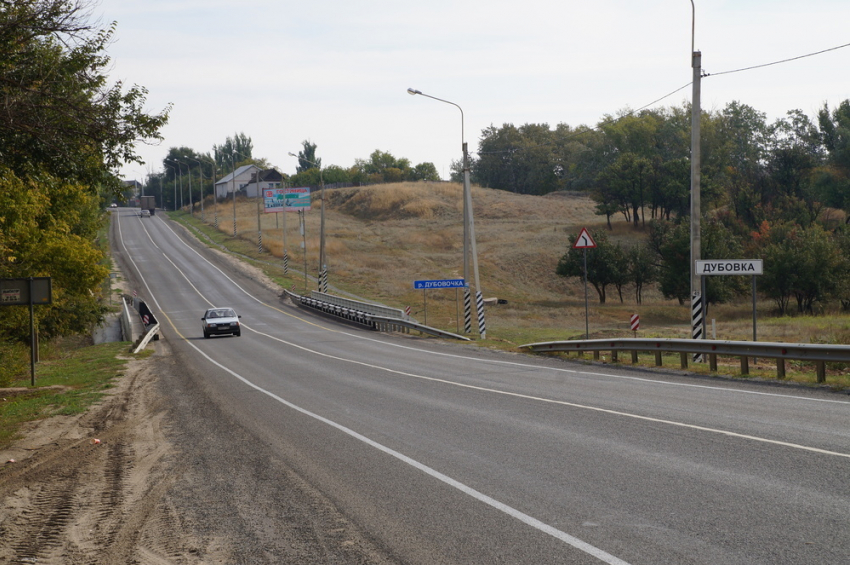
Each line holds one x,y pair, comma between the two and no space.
526,365
481,497
518,395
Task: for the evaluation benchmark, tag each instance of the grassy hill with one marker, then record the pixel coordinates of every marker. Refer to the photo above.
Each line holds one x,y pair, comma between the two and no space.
379,239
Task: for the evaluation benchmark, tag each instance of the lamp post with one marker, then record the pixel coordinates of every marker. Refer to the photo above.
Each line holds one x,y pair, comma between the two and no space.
188,172
233,179
215,191
257,180
323,268
468,233
175,185
200,182
697,298
180,171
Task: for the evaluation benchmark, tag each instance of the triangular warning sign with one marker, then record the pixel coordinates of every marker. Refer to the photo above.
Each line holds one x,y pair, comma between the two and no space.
584,241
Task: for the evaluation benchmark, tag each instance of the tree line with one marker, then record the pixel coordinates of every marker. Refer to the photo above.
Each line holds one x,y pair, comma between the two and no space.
64,131
777,191
195,173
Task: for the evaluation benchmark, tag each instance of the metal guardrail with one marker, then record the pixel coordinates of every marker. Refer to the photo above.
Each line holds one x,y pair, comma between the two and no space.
367,307
344,312
126,323
392,324
150,334
349,310
145,318
782,352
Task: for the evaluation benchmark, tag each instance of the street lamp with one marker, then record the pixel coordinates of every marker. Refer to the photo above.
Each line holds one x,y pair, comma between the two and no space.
188,172
180,170
468,233
215,190
259,225
323,268
200,182
233,178
175,184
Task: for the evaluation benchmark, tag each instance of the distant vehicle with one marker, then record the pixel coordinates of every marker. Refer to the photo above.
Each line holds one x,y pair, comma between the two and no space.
221,321
148,203
145,213
113,205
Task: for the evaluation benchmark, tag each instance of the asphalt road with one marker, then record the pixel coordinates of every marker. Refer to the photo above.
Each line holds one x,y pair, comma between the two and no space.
450,454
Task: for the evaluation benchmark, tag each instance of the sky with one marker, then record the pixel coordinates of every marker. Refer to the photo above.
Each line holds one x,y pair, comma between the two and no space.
336,72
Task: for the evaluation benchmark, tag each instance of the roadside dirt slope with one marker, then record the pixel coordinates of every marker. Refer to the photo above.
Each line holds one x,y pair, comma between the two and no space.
158,473
170,480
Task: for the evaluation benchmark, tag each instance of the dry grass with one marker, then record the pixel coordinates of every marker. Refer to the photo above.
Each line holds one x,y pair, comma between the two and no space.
379,239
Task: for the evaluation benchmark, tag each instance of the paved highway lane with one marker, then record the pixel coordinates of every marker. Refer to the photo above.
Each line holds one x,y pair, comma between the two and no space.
451,454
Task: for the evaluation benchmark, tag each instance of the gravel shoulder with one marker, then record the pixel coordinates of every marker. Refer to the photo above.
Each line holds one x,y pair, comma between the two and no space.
158,473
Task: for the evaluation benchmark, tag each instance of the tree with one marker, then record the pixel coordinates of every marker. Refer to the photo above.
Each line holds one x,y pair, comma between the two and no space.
517,159
307,158
832,180
671,243
47,228
642,269
604,266
59,114
238,148
425,171
63,132
806,264
624,183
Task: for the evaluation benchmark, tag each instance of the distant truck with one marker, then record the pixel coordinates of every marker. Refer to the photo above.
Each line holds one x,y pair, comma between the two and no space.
148,203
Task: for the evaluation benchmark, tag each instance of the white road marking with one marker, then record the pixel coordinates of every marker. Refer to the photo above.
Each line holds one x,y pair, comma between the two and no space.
481,497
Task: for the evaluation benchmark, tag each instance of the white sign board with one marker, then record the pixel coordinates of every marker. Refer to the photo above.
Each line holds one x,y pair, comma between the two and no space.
286,199
729,267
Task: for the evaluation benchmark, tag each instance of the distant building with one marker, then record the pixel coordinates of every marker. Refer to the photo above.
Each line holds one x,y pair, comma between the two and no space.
240,179
269,178
246,181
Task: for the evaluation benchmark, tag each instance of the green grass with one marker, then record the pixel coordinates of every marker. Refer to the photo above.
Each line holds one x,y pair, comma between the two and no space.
377,258
83,373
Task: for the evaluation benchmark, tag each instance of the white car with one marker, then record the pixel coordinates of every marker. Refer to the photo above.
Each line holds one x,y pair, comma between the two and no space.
145,213
221,321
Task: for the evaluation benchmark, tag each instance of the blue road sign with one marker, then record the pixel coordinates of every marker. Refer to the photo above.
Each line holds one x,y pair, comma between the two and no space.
445,283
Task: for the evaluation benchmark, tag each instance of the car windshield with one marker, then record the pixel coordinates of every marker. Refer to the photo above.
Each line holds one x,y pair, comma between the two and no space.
221,313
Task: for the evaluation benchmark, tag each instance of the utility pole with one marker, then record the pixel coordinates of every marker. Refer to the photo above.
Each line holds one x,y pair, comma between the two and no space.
697,298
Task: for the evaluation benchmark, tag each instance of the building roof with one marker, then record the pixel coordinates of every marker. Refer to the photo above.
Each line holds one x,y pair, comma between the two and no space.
239,172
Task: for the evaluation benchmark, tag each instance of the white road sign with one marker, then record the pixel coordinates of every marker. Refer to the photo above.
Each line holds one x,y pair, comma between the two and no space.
729,267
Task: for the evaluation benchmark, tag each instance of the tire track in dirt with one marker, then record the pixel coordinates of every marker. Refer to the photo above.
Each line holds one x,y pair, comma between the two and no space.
42,525
71,500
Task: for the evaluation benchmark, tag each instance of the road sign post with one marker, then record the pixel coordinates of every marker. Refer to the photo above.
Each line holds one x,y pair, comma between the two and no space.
634,323
425,285
585,241
752,267
28,292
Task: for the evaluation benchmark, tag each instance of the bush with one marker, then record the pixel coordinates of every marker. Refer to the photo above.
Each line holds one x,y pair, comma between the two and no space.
15,362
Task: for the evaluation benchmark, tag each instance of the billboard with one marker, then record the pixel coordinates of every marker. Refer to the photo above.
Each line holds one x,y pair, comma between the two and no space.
286,199
19,292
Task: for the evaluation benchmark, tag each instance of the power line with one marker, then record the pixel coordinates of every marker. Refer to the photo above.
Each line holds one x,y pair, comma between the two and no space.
780,62
633,112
